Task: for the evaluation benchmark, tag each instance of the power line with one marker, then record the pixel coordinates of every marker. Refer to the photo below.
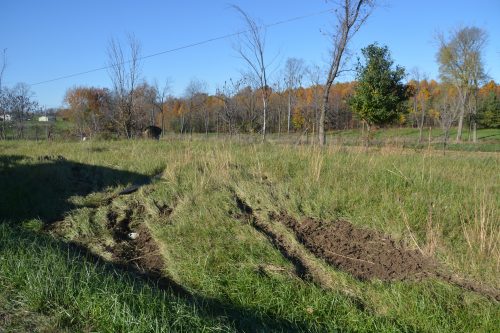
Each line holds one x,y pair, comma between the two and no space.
206,41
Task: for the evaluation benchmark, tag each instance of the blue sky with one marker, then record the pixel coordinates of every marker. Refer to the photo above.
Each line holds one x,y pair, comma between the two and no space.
53,38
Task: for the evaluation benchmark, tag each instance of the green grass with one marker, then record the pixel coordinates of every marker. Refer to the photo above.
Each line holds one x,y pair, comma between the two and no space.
35,130
488,139
448,206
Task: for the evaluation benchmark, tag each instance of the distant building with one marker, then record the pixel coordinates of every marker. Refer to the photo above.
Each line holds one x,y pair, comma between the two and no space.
8,117
46,118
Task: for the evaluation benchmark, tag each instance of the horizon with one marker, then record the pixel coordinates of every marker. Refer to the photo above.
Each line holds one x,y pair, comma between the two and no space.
69,45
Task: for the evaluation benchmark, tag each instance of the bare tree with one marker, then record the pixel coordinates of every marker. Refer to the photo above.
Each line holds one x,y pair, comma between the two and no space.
448,104
419,99
314,74
251,48
160,98
226,94
294,72
460,64
20,103
350,17
125,75
277,101
196,95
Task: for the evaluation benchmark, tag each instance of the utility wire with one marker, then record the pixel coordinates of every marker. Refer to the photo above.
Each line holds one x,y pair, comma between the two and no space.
206,41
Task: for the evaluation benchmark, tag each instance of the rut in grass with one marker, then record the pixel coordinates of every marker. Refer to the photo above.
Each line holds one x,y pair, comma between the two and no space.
134,244
365,254
369,254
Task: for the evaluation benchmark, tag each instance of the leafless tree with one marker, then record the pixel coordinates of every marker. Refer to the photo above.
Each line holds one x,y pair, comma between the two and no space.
251,48
449,105
294,72
19,102
314,73
160,98
277,102
226,94
460,64
418,78
350,16
196,96
125,75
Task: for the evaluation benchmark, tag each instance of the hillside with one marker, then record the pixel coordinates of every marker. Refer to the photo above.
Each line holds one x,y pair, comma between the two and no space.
200,235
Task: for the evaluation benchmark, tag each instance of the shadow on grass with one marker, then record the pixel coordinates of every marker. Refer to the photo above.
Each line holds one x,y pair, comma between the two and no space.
240,318
41,188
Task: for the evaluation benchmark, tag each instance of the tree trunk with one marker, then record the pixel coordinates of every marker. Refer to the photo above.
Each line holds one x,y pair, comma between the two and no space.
474,131
217,124
368,135
162,123
463,100
264,102
422,120
473,118
206,123
289,110
321,125
460,125
446,134
279,121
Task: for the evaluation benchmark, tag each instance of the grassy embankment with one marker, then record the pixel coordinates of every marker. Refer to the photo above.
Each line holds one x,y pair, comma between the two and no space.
226,275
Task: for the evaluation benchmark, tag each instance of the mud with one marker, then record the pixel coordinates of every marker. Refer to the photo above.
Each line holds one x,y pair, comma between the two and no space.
366,254
141,252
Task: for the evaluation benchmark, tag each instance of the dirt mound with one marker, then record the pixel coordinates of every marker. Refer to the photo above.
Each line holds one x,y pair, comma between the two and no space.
366,254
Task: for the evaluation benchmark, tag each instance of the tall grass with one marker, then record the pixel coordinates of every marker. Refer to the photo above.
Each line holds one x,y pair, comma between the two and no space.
448,206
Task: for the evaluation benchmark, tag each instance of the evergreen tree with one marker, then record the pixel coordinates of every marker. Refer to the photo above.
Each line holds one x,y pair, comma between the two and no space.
379,94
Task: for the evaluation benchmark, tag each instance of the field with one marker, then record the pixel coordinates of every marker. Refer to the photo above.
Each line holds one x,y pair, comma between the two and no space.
207,235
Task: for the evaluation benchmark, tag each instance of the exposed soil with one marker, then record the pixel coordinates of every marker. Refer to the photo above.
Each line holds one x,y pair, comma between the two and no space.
366,254
304,268
142,251
369,254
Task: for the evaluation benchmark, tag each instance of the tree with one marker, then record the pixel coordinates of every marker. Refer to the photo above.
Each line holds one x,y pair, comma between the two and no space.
448,106
226,94
125,75
19,102
196,95
251,48
160,98
314,93
294,71
88,107
379,94
461,65
350,17
489,106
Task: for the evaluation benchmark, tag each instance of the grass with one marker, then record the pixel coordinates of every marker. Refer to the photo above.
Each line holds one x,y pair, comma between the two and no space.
35,130
446,206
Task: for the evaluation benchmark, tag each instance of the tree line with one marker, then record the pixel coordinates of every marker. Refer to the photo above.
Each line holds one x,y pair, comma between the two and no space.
304,98
237,107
